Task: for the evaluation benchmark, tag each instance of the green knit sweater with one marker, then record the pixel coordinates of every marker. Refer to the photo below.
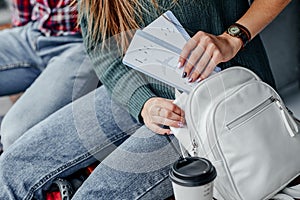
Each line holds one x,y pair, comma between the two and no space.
132,89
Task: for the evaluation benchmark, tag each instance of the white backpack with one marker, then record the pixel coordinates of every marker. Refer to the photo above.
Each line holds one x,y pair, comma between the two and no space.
242,126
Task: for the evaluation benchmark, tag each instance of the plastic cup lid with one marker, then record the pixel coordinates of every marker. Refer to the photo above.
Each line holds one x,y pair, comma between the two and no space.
192,171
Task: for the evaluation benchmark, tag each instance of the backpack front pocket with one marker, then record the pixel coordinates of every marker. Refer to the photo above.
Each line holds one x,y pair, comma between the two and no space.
250,114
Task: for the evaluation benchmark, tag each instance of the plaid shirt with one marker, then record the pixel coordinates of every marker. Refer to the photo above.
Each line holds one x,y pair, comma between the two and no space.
55,17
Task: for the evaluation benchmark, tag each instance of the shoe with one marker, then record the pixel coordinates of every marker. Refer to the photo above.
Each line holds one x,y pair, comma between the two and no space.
65,188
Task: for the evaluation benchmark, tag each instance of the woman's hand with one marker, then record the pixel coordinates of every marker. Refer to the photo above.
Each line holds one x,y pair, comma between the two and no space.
204,51
158,112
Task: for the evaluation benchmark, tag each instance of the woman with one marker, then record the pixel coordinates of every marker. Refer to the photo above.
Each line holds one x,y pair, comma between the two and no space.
93,126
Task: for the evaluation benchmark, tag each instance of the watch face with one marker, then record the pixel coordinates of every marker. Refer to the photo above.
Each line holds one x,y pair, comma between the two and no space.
233,30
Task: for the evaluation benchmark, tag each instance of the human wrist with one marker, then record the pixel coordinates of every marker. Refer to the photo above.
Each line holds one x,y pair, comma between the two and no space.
235,43
138,100
145,107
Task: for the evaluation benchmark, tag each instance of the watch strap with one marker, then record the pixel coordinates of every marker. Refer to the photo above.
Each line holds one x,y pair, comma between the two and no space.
244,34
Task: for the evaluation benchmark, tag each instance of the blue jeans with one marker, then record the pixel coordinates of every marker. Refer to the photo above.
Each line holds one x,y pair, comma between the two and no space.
54,70
134,161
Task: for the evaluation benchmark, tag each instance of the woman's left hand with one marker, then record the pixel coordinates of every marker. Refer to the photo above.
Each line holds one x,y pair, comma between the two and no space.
158,112
204,51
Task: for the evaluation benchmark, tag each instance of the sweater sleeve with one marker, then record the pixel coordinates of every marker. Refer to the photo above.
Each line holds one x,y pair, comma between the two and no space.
126,86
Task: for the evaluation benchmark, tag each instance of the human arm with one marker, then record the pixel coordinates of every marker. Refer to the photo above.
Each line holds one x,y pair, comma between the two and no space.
132,91
126,86
207,50
130,88
21,12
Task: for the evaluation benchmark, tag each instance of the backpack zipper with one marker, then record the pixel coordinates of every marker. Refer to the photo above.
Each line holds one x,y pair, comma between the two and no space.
287,119
195,147
245,117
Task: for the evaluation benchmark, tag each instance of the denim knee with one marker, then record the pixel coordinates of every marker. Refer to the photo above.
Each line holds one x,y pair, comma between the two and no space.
11,130
9,177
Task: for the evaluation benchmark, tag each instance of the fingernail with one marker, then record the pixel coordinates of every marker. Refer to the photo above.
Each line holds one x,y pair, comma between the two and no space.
180,124
190,79
184,74
182,120
179,65
199,79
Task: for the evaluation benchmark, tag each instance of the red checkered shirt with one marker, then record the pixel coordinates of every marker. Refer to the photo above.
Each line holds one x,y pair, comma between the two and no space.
55,17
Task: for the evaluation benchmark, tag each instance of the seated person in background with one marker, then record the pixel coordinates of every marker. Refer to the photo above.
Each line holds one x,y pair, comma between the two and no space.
43,50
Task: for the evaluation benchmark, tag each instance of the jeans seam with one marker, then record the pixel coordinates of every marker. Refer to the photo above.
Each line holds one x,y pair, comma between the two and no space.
46,178
154,185
16,65
67,165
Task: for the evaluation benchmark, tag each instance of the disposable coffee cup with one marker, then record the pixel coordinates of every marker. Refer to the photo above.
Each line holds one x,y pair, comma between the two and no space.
192,179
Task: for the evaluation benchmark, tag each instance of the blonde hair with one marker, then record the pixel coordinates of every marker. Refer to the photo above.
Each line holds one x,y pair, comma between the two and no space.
112,18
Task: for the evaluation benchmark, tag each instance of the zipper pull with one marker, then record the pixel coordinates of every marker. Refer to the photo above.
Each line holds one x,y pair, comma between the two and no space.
287,119
195,147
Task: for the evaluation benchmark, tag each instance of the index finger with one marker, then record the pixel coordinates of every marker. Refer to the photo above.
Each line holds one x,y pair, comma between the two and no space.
186,51
173,107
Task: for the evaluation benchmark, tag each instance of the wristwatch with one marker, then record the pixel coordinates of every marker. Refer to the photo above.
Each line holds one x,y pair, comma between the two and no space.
239,31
